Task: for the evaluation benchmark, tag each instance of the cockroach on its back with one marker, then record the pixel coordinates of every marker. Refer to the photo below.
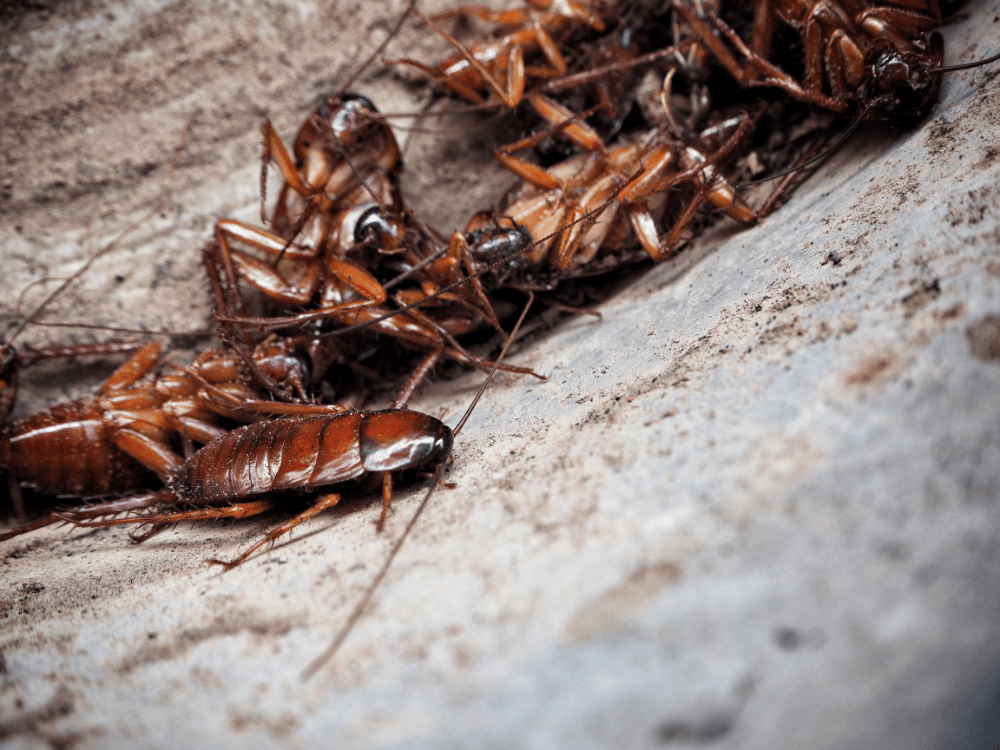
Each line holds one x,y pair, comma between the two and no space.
121,438
494,70
884,58
339,191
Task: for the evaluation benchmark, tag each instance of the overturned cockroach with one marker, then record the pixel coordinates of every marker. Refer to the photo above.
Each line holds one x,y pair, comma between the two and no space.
122,438
494,71
884,58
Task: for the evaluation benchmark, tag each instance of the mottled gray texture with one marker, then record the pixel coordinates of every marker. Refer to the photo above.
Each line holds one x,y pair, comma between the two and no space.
756,506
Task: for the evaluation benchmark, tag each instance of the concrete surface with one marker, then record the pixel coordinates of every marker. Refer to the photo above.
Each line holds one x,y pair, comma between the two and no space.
755,507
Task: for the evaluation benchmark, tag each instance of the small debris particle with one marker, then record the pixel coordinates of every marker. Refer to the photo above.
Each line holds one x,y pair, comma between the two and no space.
984,338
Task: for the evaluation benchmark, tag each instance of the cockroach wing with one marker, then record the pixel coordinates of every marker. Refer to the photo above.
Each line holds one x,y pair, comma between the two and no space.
338,458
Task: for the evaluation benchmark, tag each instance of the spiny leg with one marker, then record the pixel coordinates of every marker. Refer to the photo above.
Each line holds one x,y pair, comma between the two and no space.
237,510
418,377
327,501
90,511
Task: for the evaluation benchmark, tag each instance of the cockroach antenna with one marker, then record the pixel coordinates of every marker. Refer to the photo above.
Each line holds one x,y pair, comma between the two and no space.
365,600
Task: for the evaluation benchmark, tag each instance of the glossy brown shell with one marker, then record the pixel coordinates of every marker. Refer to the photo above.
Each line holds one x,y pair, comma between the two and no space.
66,450
311,452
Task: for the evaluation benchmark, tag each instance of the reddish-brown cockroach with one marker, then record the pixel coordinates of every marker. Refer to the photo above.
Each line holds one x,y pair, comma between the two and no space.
339,191
493,71
122,438
342,164
885,58
630,182
345,162
308,453
351,204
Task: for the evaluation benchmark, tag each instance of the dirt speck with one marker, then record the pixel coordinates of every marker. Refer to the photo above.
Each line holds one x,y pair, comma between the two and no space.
695,732
622,604
941,137
31,722
984,338
185,640
277,727
917,299
873,369
972,206
990,156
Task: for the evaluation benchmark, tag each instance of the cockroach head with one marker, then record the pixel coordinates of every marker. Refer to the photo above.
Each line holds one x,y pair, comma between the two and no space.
903,86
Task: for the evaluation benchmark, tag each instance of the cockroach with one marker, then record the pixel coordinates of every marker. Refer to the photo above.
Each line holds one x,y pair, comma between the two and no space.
303,454
87,447
563,218
343,162
885,59
494,71
632,180
339,191
121,439
243,472
308,264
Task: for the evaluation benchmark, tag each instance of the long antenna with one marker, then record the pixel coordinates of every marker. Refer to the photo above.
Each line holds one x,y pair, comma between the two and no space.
362,605
966,66
160,206
411,7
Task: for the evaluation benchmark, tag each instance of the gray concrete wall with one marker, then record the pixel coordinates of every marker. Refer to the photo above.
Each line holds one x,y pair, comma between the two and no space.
755,506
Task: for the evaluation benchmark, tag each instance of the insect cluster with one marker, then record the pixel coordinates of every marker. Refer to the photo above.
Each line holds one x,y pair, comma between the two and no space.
644,118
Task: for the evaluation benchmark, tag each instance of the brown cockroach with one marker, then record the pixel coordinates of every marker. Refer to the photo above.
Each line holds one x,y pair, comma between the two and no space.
343,162
120,439
308,247
494,71
242,472
884,58
346,159
306,453
339,191
557,197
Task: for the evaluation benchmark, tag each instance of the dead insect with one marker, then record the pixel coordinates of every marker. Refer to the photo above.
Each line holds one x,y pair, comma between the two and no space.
884,58
493,71
628,187
122,439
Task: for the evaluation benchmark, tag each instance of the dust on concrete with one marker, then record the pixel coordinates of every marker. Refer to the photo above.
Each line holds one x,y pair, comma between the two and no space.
984,338
973,206
174,645
874,368
201,139
624,603
31,721
920,297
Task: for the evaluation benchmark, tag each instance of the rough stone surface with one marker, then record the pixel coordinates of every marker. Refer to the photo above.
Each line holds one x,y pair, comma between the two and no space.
755,506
